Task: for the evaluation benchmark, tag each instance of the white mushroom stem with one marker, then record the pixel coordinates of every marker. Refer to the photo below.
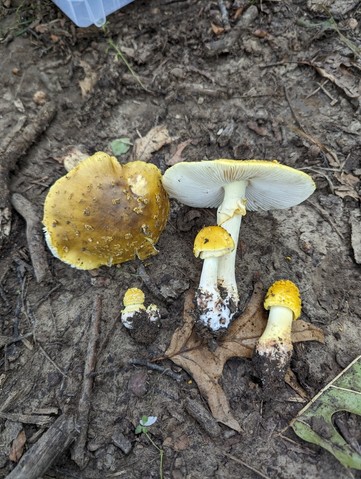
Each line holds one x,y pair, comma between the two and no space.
208,280
129,312
229,216
214,313
277,332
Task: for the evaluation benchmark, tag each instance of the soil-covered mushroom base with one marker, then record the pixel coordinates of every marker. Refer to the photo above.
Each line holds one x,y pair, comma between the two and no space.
278,80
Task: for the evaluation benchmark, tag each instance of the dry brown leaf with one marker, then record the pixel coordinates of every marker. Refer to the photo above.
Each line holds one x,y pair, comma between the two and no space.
329,153
260,130
177,442
72,156
151,142
205,366
348,187
88,83
17,447
337,69
177,157
216,29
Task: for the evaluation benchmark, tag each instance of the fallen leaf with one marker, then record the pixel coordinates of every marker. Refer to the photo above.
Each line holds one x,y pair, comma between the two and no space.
315,422
348,186
177,442
260,130
216,29
238,13
151,142
72,156
42,28
177,157
338,70
88,83
190,352
331,156
17,447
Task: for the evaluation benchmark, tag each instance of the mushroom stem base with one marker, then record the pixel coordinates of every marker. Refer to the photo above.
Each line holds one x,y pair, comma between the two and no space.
271,361
213,312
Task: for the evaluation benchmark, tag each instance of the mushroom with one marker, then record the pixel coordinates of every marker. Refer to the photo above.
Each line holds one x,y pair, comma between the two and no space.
210,244
105,213
234,187
274,348
142,323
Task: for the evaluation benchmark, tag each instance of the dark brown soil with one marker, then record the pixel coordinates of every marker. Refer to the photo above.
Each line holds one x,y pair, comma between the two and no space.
255,91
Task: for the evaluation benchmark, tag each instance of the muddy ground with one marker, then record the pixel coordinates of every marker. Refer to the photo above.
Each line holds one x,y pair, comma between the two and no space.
280,81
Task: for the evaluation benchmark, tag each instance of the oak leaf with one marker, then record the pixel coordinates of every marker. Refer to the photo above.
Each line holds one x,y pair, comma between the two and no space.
193,354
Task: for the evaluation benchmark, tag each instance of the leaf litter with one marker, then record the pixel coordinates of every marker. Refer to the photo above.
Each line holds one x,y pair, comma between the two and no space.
205,366
315,422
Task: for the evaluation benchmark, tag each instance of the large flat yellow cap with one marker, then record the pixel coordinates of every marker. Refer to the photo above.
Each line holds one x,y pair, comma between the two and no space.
104,213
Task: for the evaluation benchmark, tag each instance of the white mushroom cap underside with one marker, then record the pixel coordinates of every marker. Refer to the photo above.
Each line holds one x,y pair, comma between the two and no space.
270,185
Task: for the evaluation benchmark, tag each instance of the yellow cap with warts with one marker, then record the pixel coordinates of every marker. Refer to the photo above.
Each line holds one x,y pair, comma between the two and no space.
133,296
284,293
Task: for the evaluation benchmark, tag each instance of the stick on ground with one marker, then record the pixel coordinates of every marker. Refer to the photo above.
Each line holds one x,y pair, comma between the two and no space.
52,444
10,152
78,452
34,236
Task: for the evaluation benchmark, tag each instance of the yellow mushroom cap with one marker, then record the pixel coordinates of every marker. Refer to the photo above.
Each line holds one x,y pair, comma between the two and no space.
133,296
212,241
104,213
284,293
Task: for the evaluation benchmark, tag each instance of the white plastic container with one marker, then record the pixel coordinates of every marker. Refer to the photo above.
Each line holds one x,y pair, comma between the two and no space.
87,12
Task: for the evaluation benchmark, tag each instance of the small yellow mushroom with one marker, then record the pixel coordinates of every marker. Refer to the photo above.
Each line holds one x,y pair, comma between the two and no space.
141,322
210,244
273,351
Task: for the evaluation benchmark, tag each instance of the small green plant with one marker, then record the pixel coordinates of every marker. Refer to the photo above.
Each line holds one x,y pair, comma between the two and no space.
142,428
120,146
120,56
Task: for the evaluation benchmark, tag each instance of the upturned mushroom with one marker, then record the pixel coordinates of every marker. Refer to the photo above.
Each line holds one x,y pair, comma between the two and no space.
234,187
105,213
141,322
210,244
274,348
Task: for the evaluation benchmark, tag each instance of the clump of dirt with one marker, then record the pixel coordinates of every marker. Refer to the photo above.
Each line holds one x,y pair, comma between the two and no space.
228,79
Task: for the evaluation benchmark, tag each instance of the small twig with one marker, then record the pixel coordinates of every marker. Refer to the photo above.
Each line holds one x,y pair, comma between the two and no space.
226,43
52,444
7,340
109,333
50,360
297,120
47,295
333,100
156,367
88,378
320,173
10,152
235,459
34,235
225,17
326,216
121,56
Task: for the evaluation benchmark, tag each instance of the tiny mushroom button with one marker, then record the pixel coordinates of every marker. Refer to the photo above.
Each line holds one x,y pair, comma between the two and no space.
105,213
234,187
